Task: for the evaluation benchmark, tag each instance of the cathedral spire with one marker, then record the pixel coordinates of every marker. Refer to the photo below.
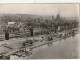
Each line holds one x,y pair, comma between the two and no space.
58,15
52,17
59,12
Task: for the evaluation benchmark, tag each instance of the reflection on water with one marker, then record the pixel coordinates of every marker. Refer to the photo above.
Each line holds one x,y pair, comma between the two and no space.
66,48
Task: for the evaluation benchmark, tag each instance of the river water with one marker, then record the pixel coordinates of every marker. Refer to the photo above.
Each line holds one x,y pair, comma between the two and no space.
64,49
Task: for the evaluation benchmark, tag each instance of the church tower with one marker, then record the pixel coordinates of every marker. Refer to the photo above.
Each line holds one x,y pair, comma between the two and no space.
58,15
52,17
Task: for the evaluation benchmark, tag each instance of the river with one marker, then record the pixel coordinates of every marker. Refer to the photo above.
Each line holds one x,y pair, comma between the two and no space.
64,49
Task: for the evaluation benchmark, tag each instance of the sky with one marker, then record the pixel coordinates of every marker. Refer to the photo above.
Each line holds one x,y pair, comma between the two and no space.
39,1
65,10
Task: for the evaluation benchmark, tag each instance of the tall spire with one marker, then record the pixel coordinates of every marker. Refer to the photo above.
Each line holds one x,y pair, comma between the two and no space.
58,15
59,12
52,17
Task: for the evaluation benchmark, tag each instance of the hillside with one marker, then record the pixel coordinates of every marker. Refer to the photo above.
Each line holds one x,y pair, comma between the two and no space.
15,17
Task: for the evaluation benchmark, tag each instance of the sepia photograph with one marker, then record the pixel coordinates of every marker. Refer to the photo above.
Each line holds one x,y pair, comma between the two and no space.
39,31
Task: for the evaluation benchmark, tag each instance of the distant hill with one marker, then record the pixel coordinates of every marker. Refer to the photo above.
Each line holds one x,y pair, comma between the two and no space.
21,17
